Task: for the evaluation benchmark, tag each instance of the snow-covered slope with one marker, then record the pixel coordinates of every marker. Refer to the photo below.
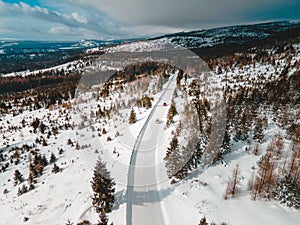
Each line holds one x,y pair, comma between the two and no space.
77,134
227,35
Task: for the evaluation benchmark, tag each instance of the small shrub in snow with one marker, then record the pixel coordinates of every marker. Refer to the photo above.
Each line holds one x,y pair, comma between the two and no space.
132,117
22,190
18,177
203,221
69,142
55,168
52,158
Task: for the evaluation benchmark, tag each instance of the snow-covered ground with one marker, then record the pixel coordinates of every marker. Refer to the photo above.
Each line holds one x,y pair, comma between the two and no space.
67,195
57,198
141,46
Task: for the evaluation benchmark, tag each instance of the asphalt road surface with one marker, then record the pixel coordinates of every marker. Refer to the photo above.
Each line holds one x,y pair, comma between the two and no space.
143,196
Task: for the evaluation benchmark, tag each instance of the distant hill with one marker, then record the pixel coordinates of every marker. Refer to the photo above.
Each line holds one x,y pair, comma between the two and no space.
18,56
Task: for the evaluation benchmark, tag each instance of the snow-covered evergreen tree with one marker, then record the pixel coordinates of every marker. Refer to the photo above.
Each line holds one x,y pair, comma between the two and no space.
132,117
203,221
18,177
171,113
103,187
55,168
52,158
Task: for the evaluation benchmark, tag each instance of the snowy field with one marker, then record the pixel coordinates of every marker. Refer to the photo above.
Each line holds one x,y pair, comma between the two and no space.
67,195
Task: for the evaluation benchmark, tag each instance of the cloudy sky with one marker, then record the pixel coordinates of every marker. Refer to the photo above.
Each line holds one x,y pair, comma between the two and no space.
114,19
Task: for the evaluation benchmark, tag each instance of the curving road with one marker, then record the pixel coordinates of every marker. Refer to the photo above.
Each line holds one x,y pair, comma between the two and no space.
143,193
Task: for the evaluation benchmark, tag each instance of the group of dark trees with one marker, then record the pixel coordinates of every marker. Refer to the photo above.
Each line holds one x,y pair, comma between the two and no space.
36,167
277,39
21,61
181,160
247,120
145,102
130,73
249,109
37,163
35,92
246,107
172,157
278,177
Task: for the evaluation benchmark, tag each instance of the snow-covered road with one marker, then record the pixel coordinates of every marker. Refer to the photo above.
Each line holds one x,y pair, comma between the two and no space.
146,173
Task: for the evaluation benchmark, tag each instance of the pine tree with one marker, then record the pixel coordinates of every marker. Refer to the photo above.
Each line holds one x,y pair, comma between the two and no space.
55,168
17,154
172,147
32,170
39,169
132,117
171,113
35,124
18,177
103,187
44,161
233,183
52,158
145,102
226,143
198,103
265,180
69,142
44,143
173,161
60,151
258,130
203,221
30,179
293,166
22,190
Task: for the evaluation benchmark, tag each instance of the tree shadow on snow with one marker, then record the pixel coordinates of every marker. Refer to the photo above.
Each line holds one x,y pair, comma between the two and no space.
140,196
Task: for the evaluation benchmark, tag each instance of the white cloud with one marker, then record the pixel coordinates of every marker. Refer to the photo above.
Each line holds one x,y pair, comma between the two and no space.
60,30
44,22
42,10
79,18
